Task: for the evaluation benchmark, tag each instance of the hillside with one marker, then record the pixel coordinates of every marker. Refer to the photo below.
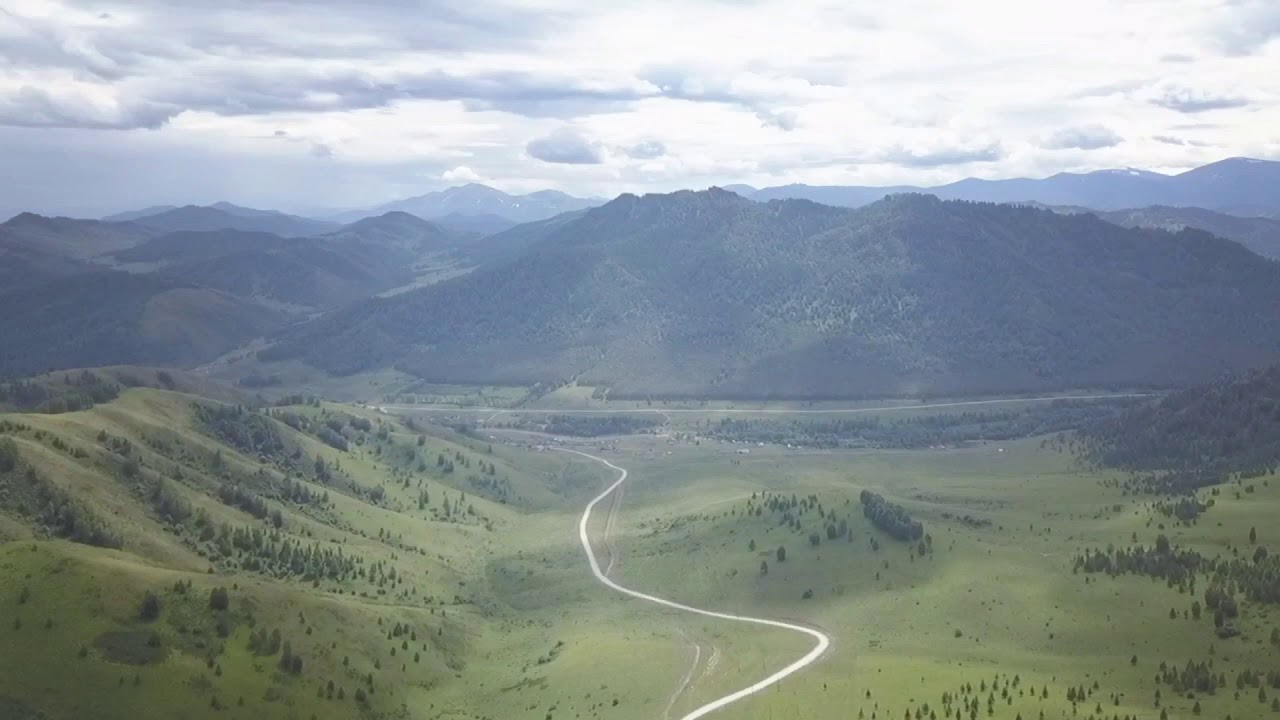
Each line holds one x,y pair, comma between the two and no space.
482,225
1259,234
70,238
192,559
1228,426
112,318
708,293
191,245
22,267
1237,186
397,231
201,218
307,276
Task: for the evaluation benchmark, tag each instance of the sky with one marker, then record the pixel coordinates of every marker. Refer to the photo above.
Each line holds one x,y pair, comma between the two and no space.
332,104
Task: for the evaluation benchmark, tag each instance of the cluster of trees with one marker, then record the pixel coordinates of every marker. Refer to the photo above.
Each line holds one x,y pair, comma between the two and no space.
256,435
1256,578
238,497
490,485
273,553
1212,432
968,519
1197,677
926,431
890,517
50,508
68,392
790,511
1176,565
241,428
1184,509
168,505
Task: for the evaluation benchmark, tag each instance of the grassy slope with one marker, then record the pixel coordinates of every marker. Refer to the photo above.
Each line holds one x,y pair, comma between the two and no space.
468,637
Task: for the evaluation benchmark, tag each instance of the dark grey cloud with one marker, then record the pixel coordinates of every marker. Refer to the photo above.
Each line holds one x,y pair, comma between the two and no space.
511,91
244,91
243,58
944,156
321,29
647,150
1082,137
564,146
1186,100
30,106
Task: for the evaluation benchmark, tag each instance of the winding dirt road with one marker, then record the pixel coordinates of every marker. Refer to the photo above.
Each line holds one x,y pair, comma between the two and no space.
823,642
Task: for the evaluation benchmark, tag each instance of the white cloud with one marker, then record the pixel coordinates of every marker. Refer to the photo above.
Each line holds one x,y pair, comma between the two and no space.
461,175
398,102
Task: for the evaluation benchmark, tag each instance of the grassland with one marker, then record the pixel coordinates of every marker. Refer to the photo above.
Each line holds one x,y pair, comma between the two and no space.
998,600
500,618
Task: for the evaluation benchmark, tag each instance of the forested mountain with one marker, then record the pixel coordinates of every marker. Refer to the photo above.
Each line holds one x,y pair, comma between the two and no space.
397,230
305,274
481,225
112,318
189,245
22,268
710,294
230,217
129,215
1259,234
70,238
1238,186
1231,425
514,241
194,294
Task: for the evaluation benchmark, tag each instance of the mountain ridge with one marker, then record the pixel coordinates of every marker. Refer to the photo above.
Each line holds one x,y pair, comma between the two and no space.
1233,185
475,199
709,293
232,217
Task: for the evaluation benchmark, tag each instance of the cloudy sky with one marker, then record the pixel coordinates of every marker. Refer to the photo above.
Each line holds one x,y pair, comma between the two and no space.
346,103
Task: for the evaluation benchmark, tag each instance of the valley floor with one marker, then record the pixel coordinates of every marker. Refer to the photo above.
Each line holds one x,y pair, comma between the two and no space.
476,601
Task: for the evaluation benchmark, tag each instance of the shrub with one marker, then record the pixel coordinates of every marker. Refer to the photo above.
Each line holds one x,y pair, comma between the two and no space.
150,609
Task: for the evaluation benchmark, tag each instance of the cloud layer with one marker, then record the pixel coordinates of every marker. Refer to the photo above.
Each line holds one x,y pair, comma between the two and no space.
105,105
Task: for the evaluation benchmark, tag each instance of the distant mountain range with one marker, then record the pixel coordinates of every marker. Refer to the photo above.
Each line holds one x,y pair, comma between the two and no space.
191,294
475,200
687,293
707,293
1237,186
225,216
